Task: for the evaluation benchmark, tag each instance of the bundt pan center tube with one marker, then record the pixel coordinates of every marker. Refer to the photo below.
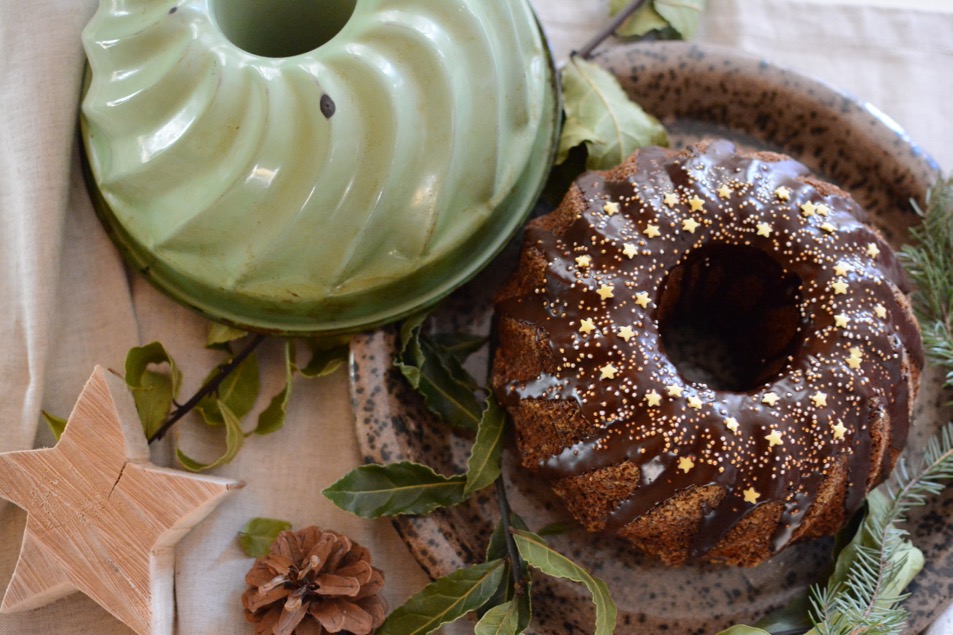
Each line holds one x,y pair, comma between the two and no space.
315,167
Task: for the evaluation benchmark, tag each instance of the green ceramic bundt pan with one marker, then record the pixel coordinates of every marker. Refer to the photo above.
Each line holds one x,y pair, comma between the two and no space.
315,166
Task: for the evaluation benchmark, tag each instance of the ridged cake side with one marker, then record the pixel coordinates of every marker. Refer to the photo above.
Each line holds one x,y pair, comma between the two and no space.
342,186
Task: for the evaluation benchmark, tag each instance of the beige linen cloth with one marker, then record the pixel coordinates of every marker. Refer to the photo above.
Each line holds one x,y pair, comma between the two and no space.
67,303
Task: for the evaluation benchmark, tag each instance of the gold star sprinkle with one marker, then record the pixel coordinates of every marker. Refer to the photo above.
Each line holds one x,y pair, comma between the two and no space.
841,269
695,403
839,287
774,439
685,464
819,399
783,193
609,371
697,204
583,261
652,231
690,225
732,424
764,229
770,399
605,292
630,250
587,326
611,208
823,210
626,333
752,495
724,192
808,209
856,357
674,390
653,399
671,199
872,250
830,229
839,430
880,311
841,321
642,299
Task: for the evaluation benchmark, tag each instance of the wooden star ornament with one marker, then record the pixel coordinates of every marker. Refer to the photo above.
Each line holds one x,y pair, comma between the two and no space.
101,518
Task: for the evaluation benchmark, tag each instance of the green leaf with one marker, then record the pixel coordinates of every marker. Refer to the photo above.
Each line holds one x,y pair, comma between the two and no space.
483,466
538,554
272,418
642,22
56,424
153,391
327,356
741,629
410,357
372,491
460,345
221,335
595,102
234,437
683,15
239,391
502,619
258,534
445,600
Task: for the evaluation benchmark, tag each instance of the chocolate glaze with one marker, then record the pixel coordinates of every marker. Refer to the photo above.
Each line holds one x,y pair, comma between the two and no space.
845,270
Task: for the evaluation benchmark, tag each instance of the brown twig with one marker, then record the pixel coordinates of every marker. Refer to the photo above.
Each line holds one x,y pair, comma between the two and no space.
516,563
210,387
609,29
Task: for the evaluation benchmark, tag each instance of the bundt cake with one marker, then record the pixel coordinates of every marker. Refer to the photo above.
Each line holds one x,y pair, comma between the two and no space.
708,352
315,167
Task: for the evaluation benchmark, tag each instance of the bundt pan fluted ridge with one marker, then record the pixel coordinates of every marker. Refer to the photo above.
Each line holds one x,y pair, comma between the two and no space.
315,167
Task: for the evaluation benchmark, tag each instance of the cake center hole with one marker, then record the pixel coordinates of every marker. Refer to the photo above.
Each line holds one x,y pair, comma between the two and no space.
281,28
730,317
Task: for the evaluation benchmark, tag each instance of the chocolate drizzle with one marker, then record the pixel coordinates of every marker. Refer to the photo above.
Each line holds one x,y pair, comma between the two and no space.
841,383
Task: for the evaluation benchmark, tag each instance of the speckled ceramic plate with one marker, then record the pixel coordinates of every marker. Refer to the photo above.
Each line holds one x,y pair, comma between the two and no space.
697,92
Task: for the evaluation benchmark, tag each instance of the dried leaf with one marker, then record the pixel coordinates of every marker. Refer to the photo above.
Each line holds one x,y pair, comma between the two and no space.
272,418
538,554
56,424
258,534
152,391
600,114
445,600
238,391
372,491
483,466
234,437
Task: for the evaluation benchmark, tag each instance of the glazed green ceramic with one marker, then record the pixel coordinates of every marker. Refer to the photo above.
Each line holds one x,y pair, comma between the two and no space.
315,166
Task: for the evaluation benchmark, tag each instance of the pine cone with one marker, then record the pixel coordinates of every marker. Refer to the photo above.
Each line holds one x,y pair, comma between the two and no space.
314,582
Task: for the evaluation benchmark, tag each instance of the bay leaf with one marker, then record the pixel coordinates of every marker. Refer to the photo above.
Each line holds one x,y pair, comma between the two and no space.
327,356
645,20
683,15
239,391
445,600
258,535
152,390
234,438
502,619
744,629
484,464
219,336
541,556
460,345
272,418
600,114
56,424
372,491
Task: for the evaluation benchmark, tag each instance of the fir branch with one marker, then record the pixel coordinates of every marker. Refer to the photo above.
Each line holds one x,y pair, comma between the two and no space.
867,599
929,262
